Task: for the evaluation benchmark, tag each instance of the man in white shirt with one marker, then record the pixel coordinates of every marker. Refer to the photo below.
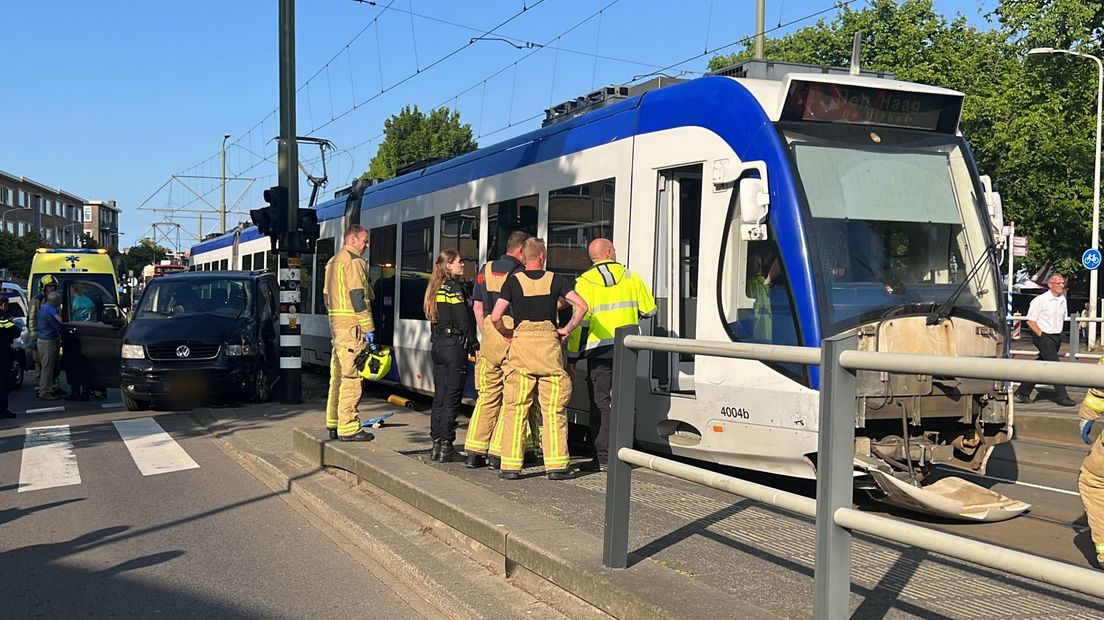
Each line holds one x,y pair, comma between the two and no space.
1046,317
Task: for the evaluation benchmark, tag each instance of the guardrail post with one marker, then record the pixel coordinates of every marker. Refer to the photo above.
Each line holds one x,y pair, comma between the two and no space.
615,537
835,464
1075,336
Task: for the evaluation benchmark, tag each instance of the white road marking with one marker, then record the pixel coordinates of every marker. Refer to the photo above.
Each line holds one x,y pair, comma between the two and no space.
153,450
46,410
110,405
48,459
1023,484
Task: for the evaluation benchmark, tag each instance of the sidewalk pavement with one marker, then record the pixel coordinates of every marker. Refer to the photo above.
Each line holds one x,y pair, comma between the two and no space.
697,552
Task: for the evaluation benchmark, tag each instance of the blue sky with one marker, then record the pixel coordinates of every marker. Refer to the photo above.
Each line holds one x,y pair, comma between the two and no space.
109,100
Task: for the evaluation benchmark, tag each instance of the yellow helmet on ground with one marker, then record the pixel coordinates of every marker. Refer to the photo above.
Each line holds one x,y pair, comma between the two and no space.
373,364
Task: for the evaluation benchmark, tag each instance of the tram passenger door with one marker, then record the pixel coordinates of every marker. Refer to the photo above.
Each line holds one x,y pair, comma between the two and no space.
675,285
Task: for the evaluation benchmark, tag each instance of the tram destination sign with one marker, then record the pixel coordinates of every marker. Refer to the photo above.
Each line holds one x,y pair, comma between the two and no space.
844,103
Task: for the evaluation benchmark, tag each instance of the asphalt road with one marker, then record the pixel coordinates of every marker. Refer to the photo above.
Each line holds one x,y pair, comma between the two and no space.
195,536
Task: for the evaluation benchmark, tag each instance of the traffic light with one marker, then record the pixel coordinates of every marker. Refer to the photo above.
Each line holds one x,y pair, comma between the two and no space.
308,228
272,220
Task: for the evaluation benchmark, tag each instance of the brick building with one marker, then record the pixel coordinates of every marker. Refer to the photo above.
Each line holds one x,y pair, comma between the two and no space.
27,205
101,222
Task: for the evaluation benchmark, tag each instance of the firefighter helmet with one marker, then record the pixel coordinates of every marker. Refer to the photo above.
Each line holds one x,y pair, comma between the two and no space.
48,280
373,363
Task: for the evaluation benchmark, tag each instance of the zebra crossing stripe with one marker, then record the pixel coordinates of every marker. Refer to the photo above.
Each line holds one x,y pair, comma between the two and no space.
48,459
153,450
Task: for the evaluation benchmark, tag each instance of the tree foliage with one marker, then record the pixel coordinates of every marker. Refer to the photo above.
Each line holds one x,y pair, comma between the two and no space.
1030,120
143,253
16,252
412,136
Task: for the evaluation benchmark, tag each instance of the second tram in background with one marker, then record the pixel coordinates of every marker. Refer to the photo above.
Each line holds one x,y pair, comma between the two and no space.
773,203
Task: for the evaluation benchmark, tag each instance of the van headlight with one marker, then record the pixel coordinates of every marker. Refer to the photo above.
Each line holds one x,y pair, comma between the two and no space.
134,352
237,350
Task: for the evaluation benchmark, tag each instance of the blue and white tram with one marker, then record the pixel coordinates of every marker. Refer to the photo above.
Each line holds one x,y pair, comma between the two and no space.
778,211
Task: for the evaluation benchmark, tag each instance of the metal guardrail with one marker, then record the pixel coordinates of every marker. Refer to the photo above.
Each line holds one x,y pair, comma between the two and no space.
835,518
1075,336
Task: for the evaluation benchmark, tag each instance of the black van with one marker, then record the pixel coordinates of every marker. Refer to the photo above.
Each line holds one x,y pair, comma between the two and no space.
204,335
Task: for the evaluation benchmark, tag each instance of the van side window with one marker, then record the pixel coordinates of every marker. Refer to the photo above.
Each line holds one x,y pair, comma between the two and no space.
267,307
84,301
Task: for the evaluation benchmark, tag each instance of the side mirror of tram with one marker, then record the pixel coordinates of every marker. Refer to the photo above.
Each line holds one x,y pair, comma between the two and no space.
752,193
995,208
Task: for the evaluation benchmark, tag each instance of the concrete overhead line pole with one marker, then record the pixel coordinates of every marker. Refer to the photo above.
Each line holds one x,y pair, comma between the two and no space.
760,27
222,178
291,363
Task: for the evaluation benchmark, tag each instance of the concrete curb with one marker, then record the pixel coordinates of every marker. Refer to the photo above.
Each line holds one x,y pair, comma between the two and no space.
566,557
1060,428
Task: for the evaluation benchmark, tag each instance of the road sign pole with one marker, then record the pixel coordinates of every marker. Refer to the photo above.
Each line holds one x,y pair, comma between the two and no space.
291,362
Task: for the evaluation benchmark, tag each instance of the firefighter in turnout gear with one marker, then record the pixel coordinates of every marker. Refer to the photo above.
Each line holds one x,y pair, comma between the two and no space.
453,339
534,362
616,297
347,302
484,431
1091,481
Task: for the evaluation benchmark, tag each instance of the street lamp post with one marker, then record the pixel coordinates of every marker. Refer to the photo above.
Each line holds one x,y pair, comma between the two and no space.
222,201
1093,277
5,214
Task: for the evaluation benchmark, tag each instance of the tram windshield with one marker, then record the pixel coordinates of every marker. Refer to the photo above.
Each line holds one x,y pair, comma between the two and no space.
894,223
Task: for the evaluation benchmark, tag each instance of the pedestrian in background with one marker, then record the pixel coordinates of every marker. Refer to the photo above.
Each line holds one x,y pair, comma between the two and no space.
49,336
9,331
452,339
616,297
351,329
1090,482
1046,316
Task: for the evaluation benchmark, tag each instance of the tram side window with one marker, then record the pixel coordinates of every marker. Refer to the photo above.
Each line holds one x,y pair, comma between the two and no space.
323,252
417,264
755,292
381,276
460,232
224,264
258,260
576,216
247,262
507,216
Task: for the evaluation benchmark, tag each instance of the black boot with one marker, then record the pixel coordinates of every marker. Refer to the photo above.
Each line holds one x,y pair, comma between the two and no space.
494,462
449,453
435,452
475,460
332,432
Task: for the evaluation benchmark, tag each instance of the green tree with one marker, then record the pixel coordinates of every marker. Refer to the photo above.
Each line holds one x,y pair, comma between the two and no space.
1029,120
412,136
143,253
16,252
87,242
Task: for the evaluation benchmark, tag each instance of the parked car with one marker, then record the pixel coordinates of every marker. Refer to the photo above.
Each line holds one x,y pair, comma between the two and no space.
17,310
202,336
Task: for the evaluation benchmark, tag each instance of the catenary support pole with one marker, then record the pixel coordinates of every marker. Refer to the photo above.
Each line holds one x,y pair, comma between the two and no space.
291,362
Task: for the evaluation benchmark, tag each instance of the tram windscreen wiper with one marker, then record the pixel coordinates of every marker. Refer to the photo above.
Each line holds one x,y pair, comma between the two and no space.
943,310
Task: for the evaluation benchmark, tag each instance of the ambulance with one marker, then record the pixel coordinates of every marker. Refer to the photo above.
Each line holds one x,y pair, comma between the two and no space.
91,342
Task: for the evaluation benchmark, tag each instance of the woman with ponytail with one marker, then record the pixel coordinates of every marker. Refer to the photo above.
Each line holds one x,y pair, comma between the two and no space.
453,339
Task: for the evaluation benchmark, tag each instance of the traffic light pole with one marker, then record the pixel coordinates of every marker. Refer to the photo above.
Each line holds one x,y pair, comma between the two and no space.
291,362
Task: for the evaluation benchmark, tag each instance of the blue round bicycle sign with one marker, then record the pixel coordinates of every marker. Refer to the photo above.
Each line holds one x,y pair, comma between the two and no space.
1091,259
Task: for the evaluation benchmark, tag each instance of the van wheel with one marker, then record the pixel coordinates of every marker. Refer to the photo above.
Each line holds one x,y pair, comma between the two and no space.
133,404
261,394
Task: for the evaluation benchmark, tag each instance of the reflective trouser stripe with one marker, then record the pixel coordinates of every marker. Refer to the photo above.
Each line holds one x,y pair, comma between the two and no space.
333,395
514,426
555,440
553,392
486,415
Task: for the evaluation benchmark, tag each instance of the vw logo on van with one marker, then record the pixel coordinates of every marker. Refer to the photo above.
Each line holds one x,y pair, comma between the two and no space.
183,351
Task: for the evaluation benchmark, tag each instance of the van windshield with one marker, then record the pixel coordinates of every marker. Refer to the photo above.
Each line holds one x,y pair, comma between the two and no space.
222,297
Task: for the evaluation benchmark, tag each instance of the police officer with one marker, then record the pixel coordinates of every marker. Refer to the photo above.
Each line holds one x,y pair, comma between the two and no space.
483,427
453,339
616,297
1091,480
352,329
9,331
535,362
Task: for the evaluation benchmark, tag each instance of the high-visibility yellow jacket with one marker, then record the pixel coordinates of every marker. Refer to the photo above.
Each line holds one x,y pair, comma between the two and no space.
346,289
616,297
